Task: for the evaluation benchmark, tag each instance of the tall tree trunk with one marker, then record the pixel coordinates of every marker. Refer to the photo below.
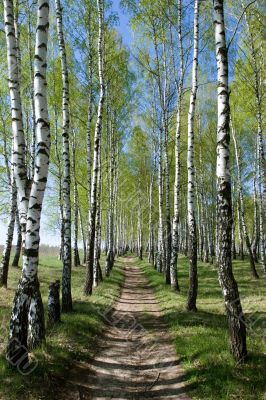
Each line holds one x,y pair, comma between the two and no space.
27,321
242,209
261,155
9,236
175,239
66,276
60,189
97,136
13,210
76,204
255,240
151,228
31,73
233,226
90,104
97,247
83,235
110,249
240,230
140,248
227,281
160,251
192,229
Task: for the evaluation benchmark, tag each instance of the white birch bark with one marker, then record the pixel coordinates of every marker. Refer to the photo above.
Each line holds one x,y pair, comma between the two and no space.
110,249
27,322
175,235
228,284
97,136
192,230
66,276
19,152
242,208
261,154
76,203
4,266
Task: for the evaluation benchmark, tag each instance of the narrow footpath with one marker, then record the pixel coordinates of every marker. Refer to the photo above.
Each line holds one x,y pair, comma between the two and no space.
135,358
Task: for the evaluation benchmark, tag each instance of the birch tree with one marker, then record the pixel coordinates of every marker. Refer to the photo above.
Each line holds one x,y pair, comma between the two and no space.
27,313
179,86
66,277
227,281
192,230
242,208
97,136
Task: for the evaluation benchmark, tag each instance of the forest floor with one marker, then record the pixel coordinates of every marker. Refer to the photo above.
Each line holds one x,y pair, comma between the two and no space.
133,339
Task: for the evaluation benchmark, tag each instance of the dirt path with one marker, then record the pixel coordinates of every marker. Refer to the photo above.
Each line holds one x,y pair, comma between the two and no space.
135,358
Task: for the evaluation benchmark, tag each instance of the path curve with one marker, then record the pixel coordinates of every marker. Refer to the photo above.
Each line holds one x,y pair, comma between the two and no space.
135,359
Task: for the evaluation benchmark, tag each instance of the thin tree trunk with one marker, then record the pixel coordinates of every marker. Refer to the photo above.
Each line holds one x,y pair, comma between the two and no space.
261,156
83,235
192,229
76,205
242,209
151,229
13,210
160,251
240,230
227,281
110,249
15,262
66,276
97,247
9,236
255,240
97,136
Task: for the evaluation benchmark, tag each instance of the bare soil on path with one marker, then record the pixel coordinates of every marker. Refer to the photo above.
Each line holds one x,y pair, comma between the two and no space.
135,358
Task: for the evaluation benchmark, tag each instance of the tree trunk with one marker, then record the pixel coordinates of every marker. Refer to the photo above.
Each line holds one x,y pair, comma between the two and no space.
255,240
66,276
192,229
76,204
175,233
97,246
228,284
15,262
97,136
160,251
151,229
261,156
54,303
9,236
242,209
110,249
27,314
83,235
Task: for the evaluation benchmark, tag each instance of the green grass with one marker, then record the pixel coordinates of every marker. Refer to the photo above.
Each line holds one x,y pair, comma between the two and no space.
72,339
201,338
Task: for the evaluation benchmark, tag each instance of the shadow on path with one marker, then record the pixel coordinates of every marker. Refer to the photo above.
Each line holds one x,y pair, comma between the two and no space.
135,358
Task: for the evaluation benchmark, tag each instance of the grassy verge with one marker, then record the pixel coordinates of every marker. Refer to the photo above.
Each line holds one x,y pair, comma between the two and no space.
201,339
72,339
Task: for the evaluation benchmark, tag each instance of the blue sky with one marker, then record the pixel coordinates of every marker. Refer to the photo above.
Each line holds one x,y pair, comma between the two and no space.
123,25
